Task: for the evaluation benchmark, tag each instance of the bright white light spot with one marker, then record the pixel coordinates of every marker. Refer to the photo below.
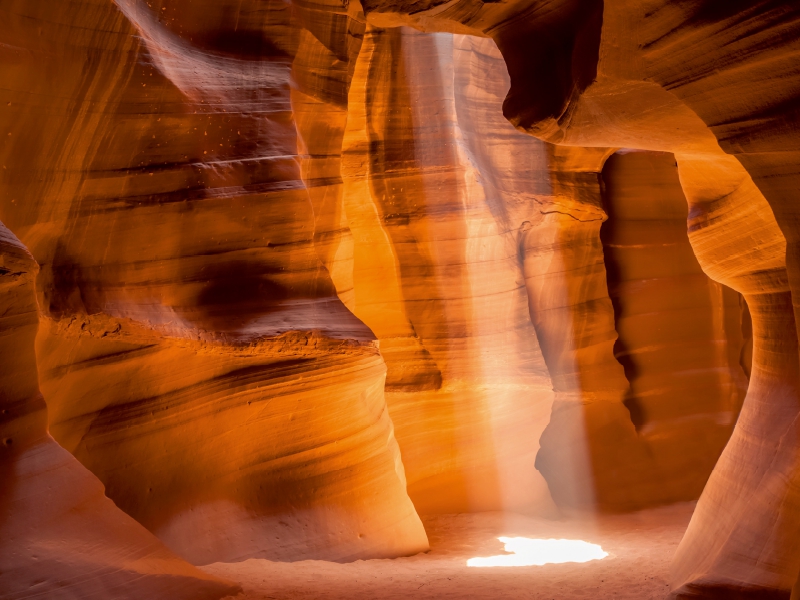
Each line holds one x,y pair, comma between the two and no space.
528,552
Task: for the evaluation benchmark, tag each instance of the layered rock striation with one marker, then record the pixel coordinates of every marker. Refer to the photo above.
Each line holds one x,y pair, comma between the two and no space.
425,191
717,86
193,351
300,280
436,271
681,334
61,537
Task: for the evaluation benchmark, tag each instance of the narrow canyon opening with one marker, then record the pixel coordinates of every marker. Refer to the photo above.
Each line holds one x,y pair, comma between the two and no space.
385,299
681,335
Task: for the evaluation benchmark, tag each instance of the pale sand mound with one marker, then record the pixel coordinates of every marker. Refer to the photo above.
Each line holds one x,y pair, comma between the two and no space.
639,545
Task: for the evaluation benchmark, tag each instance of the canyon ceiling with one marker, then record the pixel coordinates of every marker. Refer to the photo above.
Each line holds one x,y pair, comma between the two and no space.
279,277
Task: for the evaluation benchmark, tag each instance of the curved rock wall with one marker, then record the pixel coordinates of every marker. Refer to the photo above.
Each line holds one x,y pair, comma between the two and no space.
61,537
597,451
437,275
680,333
590,445
698,79
194,354
222,194
746,542
426,156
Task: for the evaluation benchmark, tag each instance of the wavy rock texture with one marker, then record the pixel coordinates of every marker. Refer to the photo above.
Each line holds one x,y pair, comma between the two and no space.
746,543
436,269
230,201
246,451
680,333
443,191
61,537
698,79
592,454
194,354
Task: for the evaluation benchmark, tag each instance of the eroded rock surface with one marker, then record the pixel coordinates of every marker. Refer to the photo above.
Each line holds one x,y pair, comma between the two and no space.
717,86
297,271
681,334
61,537
436,270
194,353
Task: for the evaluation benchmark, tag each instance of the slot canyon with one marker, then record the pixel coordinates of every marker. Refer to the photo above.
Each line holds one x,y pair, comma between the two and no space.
335,299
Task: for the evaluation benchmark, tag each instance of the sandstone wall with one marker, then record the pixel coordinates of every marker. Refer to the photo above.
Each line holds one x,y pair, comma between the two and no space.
193,353
61,537
436,272
241,212
702,80
431,173
681,338
746,542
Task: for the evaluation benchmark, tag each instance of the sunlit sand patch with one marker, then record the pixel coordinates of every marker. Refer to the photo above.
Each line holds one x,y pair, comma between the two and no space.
532,552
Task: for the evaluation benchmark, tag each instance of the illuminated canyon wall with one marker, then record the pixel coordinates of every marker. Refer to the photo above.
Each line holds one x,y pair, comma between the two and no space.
717,86
468,209
62,537
681,334
300,280
192,349
436,272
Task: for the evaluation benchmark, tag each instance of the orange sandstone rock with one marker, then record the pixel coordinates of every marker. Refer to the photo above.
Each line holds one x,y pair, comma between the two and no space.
698,79
235,451
194,353
745,542
221,194
426,147
436,270
680,333
60,537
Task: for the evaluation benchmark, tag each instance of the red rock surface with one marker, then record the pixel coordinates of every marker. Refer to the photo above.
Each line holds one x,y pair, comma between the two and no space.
61,537
193,351
683,353
436,270
717,86
300,281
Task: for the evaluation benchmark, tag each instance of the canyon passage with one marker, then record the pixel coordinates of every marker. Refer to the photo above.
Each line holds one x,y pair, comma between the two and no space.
391,299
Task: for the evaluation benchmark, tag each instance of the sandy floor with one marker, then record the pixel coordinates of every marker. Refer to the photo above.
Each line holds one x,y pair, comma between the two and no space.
639,546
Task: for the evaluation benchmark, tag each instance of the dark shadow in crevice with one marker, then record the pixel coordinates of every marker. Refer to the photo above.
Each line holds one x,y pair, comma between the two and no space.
746,354
613,280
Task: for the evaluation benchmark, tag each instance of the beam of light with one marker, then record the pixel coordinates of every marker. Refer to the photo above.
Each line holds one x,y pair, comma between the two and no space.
529,552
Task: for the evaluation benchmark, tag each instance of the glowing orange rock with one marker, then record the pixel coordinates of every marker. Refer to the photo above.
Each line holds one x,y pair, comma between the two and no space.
680,333
193,353
60,537
436,270
690,79
175,169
